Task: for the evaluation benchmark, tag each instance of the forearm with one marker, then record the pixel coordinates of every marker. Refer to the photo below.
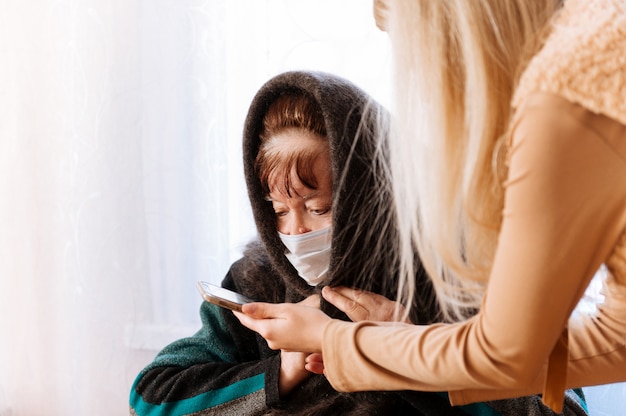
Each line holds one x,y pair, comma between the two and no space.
292,372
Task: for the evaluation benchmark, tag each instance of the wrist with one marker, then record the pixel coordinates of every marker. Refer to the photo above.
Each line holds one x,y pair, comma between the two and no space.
292,371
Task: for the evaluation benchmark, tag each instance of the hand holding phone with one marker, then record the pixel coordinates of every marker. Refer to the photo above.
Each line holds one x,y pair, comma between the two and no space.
221,296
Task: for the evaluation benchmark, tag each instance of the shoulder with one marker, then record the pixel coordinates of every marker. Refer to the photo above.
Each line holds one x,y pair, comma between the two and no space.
582,60
547,115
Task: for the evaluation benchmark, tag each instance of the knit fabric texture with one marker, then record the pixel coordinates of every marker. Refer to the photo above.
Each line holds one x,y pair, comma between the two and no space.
583,59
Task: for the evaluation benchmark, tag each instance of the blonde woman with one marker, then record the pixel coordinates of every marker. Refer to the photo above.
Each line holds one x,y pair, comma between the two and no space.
509,167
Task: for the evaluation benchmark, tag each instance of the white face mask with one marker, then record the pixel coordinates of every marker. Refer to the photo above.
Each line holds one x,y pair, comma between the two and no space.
309,253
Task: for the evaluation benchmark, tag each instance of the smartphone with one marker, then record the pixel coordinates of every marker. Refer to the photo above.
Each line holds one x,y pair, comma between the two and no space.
222,297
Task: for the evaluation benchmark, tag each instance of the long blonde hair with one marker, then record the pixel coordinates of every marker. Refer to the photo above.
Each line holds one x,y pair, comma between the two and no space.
456,66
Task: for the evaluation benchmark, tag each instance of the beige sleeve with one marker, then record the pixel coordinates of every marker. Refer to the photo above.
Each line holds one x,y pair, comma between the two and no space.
565,209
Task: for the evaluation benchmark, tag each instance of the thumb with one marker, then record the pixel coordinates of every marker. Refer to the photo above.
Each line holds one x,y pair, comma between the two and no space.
258,310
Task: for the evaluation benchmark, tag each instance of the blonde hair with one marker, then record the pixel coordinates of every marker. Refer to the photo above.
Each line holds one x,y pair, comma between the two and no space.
456,65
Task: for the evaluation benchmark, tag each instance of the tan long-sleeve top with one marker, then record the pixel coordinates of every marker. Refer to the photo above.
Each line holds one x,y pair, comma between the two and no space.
564,216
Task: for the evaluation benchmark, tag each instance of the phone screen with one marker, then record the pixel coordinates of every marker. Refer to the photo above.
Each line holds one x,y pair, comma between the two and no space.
222,297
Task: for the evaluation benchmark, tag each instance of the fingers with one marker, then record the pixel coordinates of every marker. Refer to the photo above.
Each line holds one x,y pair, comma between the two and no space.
342,298
348,301
247,321
339,295
314,363
315,357
362,297
264,327
361,305
315,368
257,317
261,310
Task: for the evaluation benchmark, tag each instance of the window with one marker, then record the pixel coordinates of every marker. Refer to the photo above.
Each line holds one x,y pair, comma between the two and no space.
120,173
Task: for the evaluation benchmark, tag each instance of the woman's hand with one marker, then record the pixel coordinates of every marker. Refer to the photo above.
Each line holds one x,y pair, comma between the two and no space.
360,305
286,326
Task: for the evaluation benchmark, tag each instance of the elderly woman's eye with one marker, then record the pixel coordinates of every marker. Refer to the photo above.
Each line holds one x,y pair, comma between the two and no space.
321,211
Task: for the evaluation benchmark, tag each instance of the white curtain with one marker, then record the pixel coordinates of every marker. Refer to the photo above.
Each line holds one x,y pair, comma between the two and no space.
120,174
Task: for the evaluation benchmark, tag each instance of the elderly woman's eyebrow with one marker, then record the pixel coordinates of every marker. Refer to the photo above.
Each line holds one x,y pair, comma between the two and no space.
310,195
